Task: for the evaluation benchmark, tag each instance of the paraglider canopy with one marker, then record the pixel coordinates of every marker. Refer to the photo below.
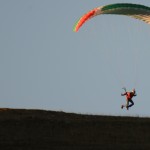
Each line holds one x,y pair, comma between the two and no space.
136,11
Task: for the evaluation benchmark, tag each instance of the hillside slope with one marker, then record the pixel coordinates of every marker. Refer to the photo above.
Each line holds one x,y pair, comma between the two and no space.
49,130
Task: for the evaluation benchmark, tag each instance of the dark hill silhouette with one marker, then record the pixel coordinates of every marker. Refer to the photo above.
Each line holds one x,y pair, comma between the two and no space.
22,129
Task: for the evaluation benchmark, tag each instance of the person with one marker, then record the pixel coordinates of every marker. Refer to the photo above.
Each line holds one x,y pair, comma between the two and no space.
129,96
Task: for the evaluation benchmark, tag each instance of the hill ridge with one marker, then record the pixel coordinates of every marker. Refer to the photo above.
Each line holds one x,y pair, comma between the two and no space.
45,129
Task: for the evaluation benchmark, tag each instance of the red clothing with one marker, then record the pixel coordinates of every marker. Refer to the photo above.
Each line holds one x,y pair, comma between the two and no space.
129,95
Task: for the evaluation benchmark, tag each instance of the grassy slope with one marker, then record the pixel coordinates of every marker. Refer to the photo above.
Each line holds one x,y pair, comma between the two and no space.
47,130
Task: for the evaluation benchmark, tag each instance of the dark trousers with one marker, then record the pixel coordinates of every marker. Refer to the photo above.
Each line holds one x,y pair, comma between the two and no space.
130,101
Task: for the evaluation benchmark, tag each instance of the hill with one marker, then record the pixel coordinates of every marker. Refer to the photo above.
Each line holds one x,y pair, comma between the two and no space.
22,129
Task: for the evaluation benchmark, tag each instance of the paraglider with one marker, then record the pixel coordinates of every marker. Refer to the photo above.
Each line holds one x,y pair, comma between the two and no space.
136,11
129,96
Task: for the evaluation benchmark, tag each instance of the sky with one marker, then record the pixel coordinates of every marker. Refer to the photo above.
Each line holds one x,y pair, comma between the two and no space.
45,65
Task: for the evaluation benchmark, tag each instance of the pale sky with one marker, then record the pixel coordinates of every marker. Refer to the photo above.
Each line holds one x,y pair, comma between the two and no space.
45,65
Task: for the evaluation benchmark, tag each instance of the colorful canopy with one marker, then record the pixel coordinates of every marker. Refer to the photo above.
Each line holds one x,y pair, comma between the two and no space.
136,11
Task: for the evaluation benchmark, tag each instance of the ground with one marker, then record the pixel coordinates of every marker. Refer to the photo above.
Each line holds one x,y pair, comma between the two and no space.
22,129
